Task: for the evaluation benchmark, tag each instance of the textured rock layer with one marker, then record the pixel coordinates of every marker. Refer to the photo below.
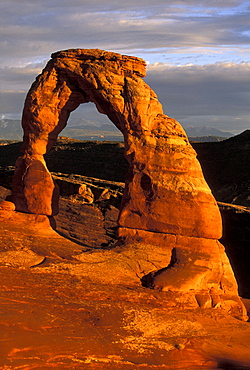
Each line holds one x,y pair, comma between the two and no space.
165,197
84,309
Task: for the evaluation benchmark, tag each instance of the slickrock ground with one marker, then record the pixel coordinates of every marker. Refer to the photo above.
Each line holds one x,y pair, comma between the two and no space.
66,306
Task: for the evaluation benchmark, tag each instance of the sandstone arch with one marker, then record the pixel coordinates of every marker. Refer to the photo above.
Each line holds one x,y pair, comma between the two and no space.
166,199
163,165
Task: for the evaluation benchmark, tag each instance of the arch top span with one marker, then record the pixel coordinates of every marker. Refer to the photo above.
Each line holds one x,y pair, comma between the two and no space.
113,82
130,64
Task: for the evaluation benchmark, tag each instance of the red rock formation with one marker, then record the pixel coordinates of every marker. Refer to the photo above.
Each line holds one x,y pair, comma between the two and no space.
166,198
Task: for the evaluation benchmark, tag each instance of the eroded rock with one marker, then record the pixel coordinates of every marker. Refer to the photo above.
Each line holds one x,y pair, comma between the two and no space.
165,194
6,209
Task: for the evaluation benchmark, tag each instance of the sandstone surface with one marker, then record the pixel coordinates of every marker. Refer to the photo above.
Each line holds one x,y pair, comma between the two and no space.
6,209
66,306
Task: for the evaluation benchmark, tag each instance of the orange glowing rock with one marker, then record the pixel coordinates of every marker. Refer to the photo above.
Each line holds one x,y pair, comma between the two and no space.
165,193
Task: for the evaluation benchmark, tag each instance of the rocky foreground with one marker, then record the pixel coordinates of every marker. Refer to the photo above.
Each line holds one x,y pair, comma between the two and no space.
69,306
72,300
75,300
101,166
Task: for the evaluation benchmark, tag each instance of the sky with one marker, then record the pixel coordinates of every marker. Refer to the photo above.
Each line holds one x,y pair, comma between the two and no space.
197,52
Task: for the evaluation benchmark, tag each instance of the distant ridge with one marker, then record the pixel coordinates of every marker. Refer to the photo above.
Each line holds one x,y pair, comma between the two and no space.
226,168
11,129
206,139
92,130
204,131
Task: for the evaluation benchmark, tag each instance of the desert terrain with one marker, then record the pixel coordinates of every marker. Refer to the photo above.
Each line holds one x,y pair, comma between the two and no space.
102,270
71,299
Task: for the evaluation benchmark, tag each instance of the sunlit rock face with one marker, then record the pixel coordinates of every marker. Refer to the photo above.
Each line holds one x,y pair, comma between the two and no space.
165,188
166,200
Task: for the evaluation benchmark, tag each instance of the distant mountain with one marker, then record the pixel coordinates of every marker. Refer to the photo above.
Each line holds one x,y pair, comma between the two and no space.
88,126
192,131
78,122
77,129
82,129
11,129
206,139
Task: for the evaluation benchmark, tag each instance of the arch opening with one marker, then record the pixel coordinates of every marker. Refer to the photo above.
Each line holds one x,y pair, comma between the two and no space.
91,181
86,123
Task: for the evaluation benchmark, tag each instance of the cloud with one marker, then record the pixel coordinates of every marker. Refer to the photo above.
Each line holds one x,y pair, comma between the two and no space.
11,103
19,78
15,83
201,95
175,33
35,29
214,95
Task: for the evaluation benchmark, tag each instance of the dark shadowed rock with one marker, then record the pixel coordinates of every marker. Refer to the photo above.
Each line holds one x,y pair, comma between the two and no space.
226,168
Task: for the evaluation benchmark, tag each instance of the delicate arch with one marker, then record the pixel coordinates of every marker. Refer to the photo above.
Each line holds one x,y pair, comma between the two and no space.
156,146
166,201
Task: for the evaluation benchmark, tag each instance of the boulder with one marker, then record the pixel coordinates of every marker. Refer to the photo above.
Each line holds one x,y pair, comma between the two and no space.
6,209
